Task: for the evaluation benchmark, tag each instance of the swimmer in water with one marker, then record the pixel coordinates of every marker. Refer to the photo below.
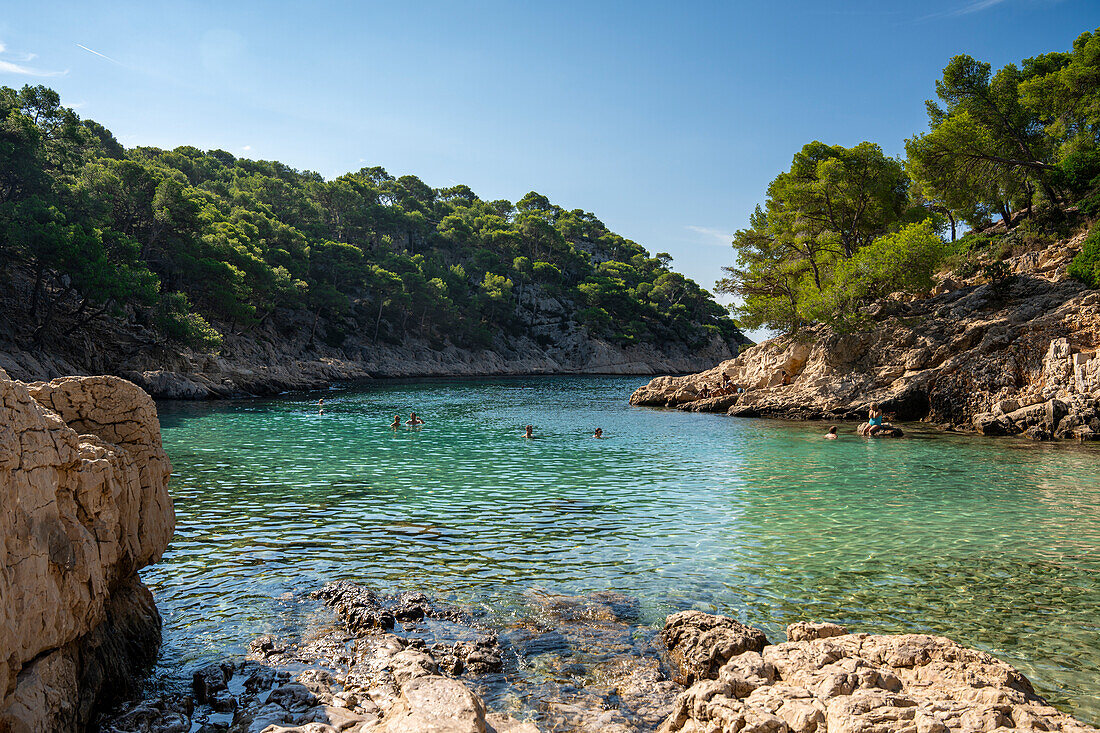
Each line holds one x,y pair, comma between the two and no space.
321,406
396,422
528,431
414,420
831,435
598,433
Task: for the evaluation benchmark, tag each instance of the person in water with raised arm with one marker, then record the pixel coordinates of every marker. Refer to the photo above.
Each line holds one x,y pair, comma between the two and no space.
396,422
598,433
528,432
414,420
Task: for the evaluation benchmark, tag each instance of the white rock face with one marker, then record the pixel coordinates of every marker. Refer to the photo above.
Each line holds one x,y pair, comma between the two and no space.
84,504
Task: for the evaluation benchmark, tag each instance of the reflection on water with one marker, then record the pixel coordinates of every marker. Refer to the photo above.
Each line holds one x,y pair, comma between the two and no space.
993,543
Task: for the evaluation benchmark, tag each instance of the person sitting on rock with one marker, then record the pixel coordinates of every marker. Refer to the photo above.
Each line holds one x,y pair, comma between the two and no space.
414,420
786,377
831,435
598,433
704,393
396,422
528,432
874,419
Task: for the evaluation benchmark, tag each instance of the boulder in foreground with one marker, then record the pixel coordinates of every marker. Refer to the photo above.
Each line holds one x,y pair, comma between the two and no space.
835,682
84,505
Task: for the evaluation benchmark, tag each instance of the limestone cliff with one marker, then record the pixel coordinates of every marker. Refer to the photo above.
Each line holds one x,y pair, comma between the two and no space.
998,358
290,352
84,505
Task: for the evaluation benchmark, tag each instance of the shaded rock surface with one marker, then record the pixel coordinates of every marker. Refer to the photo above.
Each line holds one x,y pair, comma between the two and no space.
833,681
85,505
976,357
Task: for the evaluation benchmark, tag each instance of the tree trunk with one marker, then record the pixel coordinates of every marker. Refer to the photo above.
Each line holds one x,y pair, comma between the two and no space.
38,275
313,330
378,320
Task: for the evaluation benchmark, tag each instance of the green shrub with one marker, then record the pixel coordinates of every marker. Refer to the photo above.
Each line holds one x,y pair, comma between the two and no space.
1080,171
904,261
1086,265
177,321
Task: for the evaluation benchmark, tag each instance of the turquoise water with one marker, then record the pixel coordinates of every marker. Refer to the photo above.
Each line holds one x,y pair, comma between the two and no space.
995,543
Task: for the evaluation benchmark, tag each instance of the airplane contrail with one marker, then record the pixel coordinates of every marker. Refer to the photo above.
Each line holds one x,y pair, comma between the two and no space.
101,55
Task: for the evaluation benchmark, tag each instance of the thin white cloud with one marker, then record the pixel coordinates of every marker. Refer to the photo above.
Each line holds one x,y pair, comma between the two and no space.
101,55
246,148
717,235
7,67
977,6
14,64
974,6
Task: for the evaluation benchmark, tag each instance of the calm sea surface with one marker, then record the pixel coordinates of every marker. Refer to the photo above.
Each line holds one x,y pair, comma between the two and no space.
995,543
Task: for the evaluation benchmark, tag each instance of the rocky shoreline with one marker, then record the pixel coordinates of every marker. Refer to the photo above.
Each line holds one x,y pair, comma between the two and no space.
403,663
288,352
1008,358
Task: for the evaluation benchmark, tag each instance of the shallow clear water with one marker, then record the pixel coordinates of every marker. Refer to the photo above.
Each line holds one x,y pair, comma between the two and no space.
995,543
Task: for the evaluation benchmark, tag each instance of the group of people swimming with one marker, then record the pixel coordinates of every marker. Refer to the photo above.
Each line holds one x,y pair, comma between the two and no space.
529,432
413,421
873,427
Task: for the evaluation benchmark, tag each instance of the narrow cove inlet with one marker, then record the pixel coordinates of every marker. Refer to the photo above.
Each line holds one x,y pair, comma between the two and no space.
993,543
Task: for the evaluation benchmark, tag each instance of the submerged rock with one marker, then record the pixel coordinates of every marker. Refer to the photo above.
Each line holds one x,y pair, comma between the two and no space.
570,666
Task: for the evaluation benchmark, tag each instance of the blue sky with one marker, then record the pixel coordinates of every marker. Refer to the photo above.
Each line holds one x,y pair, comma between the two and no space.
667,120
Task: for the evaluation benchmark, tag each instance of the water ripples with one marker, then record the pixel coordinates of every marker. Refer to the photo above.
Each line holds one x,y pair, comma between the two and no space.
994,543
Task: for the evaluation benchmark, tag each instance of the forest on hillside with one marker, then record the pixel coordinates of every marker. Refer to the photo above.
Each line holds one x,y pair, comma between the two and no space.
1019,148
194,244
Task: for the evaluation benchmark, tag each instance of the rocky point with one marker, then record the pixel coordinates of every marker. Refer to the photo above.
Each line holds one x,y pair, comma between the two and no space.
1017,356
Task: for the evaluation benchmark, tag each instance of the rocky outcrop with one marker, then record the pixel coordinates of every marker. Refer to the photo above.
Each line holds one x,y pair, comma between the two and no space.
996,358
699,644
85,505
826,682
